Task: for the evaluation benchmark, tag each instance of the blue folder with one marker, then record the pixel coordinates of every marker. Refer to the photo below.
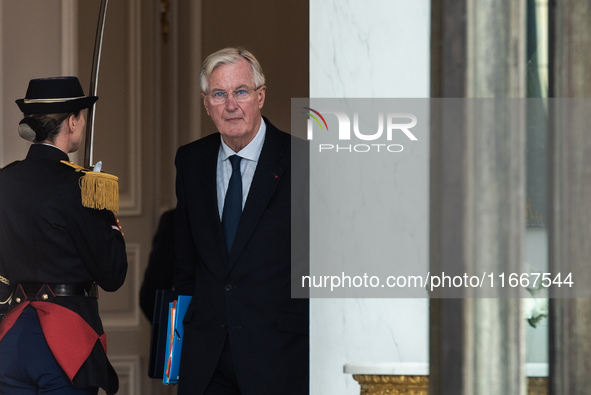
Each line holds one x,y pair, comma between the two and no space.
174,339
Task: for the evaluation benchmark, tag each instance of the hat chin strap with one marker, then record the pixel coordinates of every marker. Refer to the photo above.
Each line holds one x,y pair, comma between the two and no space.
48,100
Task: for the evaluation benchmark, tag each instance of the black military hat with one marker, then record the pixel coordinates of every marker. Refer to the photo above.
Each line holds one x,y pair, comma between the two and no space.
54,95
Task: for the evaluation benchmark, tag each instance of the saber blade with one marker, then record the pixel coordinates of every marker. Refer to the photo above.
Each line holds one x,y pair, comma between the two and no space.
96,59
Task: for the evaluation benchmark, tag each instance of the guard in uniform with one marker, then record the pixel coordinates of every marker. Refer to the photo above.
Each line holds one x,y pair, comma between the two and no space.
59,242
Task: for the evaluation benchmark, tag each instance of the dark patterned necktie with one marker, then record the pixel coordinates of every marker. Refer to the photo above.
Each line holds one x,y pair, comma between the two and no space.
232,203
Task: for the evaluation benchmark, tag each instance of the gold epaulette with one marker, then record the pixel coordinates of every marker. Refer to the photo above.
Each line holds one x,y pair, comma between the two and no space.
99,190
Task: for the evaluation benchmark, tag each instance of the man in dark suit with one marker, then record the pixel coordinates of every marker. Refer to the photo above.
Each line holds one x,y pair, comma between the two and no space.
244,334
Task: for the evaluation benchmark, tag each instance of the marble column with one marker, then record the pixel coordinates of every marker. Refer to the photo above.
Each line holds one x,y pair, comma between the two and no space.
569,192
477,209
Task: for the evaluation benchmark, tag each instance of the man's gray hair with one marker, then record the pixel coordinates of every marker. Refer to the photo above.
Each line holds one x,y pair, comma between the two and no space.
230,56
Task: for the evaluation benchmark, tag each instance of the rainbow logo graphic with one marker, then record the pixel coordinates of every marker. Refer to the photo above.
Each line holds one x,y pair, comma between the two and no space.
316,119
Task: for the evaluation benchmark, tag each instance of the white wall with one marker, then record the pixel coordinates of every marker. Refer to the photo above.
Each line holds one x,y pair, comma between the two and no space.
369,49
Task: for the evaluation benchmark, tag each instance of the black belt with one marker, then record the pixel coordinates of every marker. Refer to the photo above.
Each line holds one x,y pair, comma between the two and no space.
48,291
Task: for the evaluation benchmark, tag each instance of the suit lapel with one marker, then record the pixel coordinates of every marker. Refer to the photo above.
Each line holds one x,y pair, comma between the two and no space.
267,176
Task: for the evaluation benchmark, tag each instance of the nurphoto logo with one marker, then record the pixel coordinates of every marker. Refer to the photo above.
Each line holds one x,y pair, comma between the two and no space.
397,124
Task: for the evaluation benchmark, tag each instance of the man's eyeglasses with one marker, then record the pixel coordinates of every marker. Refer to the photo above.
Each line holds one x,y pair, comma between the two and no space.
240,95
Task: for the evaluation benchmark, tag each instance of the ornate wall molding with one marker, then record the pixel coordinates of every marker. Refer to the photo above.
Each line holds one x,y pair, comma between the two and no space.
130,202
128,370
120,309
69,37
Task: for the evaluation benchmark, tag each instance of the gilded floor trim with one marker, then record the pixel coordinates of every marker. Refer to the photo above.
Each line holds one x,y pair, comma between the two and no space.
419,385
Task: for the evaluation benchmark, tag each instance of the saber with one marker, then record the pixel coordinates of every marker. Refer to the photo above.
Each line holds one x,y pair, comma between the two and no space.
99,190
96,59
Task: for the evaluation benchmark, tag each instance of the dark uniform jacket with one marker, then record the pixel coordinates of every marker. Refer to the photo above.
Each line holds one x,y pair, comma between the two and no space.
243,297
47,236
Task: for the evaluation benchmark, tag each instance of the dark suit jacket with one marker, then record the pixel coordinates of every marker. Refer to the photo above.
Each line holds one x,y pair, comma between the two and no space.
47,236
244,297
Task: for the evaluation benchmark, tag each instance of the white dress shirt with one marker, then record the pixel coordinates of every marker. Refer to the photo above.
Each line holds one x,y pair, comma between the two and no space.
250,157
